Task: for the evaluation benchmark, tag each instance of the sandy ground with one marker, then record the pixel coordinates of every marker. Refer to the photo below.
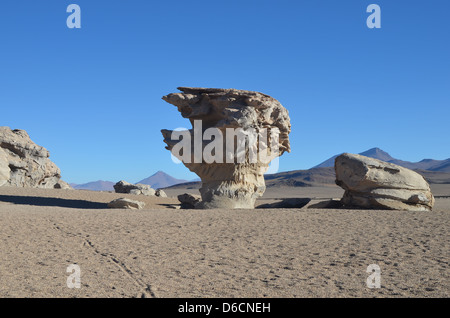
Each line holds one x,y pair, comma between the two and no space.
165,252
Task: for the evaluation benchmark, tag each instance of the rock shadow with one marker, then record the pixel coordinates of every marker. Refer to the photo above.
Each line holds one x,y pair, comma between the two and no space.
288,203
43,201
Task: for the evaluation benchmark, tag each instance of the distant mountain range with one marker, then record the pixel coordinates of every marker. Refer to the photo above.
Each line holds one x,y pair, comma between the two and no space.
161,180
95,186
158,180
377,153
434,171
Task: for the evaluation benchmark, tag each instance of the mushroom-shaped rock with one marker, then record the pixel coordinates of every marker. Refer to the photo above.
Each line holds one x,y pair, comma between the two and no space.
375,184
235,135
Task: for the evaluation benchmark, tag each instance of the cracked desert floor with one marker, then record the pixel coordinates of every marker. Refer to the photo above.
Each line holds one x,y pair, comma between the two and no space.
165,252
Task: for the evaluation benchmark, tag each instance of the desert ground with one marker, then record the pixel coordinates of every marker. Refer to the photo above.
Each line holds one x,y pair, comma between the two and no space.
166,252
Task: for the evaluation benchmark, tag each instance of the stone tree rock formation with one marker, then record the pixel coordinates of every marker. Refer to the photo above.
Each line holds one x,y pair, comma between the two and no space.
25,164
375,184
235,178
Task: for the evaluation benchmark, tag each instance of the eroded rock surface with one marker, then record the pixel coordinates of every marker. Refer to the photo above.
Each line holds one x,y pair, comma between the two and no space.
160,193
375,184
63,185
189,201
124,203
226,183
25,164
4,168
136,189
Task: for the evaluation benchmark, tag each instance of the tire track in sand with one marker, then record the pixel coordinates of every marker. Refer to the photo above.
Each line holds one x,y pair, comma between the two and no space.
147,291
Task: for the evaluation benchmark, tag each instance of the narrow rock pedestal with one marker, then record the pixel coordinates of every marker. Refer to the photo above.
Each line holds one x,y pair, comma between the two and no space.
234,137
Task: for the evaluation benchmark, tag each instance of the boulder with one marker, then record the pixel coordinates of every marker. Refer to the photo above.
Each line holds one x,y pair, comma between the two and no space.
160,193
124,203
375,184
136,189
232,178
25,164
189,201
63,185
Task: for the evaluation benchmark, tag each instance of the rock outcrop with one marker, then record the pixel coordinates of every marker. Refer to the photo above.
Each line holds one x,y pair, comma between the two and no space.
375,184
232,174
136,189
124,203
189,201
25,164
5,172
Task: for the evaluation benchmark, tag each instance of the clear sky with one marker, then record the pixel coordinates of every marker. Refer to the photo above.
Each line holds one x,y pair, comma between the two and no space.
92,96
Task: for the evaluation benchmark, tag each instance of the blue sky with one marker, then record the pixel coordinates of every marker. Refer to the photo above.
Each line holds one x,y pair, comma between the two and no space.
92,96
